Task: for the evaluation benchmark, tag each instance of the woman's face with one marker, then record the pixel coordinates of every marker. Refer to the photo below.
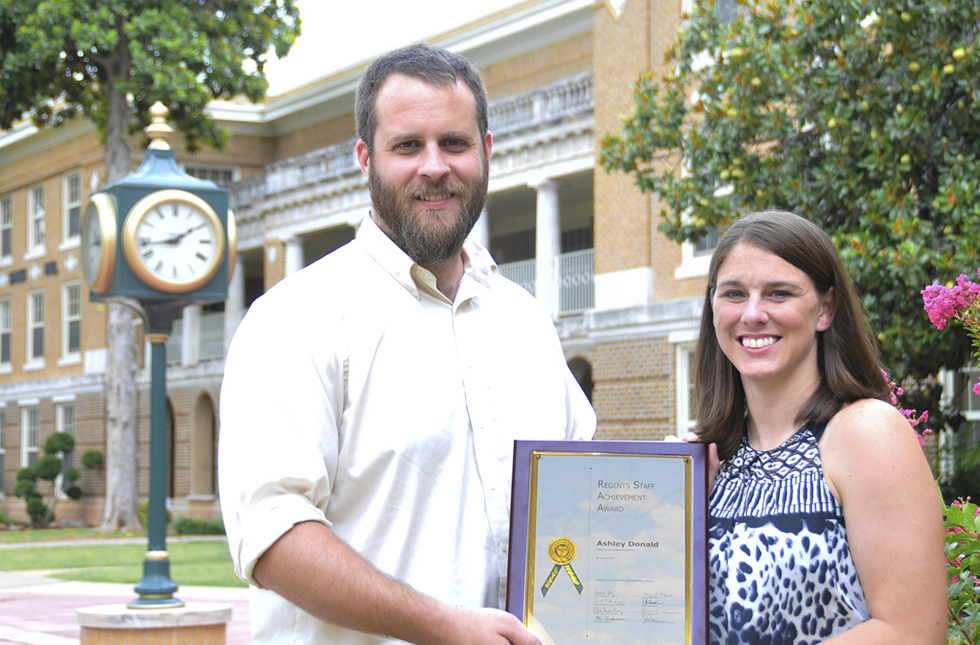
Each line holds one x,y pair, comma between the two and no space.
766,316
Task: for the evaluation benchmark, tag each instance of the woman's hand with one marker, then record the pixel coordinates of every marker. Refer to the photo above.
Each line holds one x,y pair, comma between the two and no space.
713,463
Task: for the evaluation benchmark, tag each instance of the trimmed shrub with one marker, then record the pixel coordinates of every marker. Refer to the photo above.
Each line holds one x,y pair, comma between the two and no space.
144,515
196,526
92,459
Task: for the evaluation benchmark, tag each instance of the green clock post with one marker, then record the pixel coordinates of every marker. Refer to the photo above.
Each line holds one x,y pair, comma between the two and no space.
158,241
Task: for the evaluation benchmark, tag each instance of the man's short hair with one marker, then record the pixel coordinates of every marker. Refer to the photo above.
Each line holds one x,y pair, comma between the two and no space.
430,64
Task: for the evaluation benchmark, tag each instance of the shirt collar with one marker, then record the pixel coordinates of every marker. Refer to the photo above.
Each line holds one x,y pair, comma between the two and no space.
478,264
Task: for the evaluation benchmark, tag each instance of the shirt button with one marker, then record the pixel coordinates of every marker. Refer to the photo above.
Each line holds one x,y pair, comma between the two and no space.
503,548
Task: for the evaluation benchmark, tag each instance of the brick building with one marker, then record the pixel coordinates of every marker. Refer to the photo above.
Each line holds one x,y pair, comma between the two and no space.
625,299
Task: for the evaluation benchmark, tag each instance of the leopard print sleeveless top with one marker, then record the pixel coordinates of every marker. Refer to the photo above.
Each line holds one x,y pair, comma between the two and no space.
780,571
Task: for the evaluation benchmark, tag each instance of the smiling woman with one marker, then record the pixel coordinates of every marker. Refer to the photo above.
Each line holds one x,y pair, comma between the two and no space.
767,314
792,396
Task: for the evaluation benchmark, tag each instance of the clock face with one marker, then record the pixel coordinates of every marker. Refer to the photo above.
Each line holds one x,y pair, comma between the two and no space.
173,241
98,248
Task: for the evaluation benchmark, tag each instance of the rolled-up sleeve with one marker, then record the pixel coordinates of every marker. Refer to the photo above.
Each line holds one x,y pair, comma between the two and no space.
280,406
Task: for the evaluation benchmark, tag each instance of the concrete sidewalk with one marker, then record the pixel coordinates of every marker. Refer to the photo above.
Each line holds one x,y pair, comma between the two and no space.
37,610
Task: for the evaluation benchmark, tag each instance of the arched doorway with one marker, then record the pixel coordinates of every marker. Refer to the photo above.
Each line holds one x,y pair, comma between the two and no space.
582,371
203,451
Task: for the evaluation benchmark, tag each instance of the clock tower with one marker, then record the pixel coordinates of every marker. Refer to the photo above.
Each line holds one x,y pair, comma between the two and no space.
159,239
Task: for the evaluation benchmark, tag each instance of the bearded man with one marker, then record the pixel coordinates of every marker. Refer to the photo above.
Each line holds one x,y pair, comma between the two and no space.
371,401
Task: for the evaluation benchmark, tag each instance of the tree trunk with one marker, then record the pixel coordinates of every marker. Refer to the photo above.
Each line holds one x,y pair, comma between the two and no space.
122,482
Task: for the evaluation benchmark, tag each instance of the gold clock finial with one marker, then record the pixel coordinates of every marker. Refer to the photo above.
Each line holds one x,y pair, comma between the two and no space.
158,130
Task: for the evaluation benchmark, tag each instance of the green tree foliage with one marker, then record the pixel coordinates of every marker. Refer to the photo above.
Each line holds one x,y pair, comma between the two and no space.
63,58
962,545
862,116
109,61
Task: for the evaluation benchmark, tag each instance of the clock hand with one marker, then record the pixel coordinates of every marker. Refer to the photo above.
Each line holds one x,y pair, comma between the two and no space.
144,241
177,238
173,239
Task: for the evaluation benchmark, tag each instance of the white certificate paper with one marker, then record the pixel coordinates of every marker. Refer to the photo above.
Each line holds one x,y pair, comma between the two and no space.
610,549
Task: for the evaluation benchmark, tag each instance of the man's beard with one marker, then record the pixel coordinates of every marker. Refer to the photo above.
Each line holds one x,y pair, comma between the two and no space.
421,238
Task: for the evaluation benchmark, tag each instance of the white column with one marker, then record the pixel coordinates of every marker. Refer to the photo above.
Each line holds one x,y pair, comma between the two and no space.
481,230
235,304
190,350
294,255
547,245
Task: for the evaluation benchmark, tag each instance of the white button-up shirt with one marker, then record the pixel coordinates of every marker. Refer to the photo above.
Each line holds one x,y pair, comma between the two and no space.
356,395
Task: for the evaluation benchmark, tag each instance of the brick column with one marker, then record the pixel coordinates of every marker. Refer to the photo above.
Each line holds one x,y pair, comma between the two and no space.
623,216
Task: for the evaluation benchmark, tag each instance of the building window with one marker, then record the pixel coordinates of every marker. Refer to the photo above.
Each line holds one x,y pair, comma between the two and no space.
35,327
687,405
706,245
5,332
3,445
31,435
971,400
64,421
223,177
35,222
726,10
6,229
696,257
72,198
65,418
71,307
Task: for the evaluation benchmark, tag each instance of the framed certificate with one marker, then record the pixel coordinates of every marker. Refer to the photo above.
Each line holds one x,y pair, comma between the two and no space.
608,542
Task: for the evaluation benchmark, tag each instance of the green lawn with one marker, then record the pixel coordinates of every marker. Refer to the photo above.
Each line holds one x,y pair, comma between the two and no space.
206,563
47,535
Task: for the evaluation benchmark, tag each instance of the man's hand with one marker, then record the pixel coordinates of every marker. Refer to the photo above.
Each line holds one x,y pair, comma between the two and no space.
492,627
315,570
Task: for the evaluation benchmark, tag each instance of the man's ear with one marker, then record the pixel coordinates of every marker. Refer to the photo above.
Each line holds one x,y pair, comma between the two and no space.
488,143
363,157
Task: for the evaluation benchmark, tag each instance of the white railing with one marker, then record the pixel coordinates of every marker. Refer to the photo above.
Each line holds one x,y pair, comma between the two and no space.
175,343
532,109
327,163
543,105
210,343
522,273
576,271
577,289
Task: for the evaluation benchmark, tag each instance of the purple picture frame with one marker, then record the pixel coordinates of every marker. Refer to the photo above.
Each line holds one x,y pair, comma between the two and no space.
652,491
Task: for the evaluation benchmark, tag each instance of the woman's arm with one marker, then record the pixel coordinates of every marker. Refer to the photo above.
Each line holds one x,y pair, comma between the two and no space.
877,470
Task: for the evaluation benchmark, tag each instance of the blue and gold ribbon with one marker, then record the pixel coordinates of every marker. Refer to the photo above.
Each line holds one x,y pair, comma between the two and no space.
562,552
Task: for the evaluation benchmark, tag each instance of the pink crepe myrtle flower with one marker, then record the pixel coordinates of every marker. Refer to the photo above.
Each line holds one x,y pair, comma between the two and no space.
958,302
943,303
914,418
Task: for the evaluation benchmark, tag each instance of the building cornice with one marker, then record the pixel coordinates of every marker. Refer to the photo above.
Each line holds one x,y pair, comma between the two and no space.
500,36
26,139
510,32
